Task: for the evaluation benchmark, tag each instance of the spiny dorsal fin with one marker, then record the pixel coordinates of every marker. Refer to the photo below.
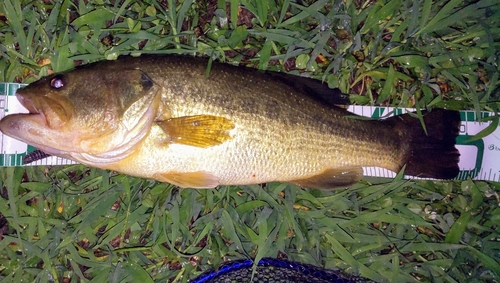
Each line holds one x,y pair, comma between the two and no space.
313,88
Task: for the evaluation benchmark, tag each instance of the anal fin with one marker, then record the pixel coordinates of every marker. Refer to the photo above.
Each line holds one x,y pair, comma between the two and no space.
334,178
195,180
199,130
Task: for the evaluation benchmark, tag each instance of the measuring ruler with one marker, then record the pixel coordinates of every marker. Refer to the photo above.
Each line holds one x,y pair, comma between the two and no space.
478,159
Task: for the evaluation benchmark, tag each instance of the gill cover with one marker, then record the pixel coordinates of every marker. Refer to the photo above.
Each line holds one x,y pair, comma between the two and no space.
91,115
136,105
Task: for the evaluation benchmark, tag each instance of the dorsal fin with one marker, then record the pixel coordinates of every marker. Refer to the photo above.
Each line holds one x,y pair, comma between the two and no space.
313,88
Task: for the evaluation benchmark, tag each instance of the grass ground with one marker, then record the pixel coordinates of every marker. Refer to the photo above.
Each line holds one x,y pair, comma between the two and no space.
76,224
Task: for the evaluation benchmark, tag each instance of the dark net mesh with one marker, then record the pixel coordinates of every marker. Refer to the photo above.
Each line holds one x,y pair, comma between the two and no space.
275,270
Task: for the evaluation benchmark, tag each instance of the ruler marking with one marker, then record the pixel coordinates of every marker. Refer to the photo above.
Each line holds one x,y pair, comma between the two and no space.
487,170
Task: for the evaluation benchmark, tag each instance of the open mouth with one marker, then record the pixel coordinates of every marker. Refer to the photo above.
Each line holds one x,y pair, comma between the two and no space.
28,104
50,110
35,112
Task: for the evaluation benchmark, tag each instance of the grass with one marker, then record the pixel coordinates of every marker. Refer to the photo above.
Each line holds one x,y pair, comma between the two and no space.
76,224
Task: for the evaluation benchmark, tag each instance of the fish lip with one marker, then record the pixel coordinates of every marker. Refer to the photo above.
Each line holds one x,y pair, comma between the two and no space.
27,103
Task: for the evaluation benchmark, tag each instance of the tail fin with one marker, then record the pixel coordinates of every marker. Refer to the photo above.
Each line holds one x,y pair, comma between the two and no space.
431,155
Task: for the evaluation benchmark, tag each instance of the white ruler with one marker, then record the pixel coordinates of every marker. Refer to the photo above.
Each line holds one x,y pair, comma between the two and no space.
479,160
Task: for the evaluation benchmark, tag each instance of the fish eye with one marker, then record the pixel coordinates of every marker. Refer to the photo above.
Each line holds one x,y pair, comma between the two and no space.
57,82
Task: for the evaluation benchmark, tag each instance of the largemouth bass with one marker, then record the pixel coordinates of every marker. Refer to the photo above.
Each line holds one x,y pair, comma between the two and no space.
162,117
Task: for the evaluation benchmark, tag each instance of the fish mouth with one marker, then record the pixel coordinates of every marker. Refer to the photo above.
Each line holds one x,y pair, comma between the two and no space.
32,108
28,104
52,112
34,127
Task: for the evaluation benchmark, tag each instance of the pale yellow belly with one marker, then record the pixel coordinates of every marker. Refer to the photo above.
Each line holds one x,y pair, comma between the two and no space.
245,159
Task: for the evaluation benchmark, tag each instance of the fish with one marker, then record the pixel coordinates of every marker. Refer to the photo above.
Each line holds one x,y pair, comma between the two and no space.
163,117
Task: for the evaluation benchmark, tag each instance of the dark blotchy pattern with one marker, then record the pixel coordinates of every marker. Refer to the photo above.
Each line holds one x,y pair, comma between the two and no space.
276,271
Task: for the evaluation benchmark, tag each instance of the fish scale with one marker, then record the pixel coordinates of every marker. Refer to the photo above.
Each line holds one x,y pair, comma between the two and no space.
239,109
272,150
236,126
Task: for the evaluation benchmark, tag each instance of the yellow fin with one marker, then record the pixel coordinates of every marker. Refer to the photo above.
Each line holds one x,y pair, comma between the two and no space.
200,130
334,178
195,180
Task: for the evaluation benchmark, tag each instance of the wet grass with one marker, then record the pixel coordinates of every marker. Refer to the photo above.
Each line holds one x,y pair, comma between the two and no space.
77,224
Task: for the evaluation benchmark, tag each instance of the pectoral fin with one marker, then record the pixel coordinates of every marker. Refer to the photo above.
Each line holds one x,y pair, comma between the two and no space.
334,178
200,130
195,180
